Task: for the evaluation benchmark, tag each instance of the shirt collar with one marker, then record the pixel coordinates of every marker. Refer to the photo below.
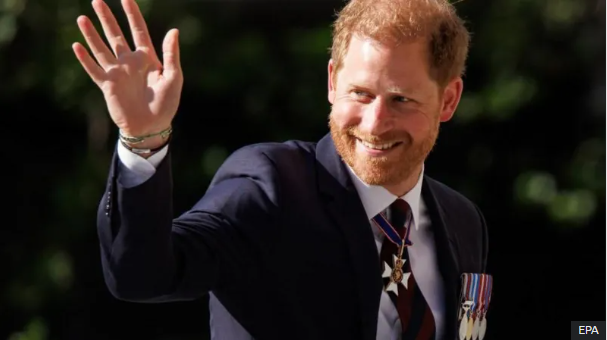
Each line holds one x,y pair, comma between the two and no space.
376,199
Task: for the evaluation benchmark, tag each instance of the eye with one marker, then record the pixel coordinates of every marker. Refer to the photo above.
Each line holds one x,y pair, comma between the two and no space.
401,99
361,96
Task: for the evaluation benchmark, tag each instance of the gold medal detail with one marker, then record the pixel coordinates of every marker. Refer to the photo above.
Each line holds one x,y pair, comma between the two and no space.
469,328
396,275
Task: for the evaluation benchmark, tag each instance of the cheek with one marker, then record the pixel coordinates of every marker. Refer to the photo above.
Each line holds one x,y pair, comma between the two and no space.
418,125
346,114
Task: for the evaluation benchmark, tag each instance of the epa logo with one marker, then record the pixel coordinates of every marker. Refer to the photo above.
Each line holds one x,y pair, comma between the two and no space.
581,330
588,330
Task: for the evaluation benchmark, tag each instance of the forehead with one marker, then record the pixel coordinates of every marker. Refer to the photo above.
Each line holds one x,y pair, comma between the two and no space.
404,65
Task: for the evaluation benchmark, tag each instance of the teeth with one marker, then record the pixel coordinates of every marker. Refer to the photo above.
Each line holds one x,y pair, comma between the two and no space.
377,146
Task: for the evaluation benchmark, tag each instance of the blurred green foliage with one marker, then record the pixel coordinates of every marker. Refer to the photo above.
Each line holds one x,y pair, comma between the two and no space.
529,128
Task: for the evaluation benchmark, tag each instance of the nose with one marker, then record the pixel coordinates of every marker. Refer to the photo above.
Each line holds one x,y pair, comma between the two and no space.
376,118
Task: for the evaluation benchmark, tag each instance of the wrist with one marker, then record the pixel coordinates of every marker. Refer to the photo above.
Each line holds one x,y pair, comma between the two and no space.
149,143
131,138
146,145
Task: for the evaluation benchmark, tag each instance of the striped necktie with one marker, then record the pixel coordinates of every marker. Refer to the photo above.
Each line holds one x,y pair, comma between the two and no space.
415,315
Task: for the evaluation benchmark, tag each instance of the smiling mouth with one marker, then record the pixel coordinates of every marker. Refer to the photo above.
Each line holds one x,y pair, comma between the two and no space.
378,146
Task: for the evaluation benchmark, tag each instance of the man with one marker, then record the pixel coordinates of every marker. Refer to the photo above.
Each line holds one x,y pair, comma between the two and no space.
341,239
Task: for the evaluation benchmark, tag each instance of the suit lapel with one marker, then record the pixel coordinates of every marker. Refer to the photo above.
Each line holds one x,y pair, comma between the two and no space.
446,249
344,206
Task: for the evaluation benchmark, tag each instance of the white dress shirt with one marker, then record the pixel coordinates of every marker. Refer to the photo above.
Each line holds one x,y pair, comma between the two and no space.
422,256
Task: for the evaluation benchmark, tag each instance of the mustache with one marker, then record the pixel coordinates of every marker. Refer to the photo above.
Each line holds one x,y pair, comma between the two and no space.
385,138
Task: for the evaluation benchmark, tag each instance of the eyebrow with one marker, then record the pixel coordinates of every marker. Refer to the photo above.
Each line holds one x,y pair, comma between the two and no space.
392,90
397,90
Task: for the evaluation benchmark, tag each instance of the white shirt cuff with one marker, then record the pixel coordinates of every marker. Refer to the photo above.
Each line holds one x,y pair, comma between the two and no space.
135,170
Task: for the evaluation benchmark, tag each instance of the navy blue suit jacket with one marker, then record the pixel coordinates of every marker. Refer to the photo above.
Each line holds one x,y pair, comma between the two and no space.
280,237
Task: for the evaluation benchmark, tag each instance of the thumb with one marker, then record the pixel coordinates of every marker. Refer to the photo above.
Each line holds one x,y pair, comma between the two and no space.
170,53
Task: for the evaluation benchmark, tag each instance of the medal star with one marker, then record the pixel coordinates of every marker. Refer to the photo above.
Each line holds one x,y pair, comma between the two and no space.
396,275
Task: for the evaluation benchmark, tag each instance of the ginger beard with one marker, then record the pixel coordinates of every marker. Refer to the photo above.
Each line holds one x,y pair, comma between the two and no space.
392,169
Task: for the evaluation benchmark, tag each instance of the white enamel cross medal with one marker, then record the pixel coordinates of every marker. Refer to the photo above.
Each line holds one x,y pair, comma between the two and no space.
395,273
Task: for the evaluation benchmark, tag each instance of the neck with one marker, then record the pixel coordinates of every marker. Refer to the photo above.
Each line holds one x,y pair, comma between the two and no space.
402,188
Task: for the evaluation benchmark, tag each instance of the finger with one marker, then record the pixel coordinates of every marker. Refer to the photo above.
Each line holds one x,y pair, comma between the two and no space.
139,29
112,30
96,73
100,50
170,53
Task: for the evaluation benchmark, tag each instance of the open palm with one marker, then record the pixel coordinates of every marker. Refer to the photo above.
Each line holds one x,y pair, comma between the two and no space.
142,94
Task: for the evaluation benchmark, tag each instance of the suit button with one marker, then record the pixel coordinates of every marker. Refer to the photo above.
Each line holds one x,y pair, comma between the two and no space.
109,200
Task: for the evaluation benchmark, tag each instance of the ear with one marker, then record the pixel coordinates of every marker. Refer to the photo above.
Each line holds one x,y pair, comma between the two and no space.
451,95
331,92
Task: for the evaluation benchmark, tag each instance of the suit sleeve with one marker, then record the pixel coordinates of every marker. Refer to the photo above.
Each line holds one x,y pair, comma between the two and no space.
134,169
150,256
484,239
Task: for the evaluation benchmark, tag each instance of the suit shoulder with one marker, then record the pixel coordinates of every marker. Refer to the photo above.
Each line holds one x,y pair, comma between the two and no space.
279,160
277,168
290,148
451,198
283,155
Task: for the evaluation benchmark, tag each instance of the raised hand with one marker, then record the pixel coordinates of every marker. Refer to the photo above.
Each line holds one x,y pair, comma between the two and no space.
142,94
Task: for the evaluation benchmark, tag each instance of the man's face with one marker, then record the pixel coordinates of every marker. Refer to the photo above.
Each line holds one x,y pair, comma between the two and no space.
386,109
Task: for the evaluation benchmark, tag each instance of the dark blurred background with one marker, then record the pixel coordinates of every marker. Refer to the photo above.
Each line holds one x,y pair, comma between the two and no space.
527,144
